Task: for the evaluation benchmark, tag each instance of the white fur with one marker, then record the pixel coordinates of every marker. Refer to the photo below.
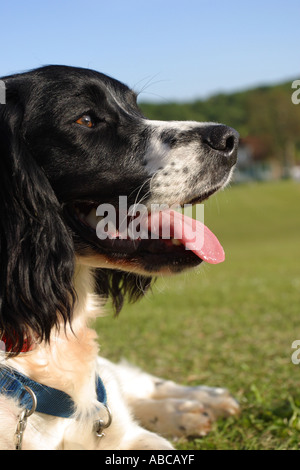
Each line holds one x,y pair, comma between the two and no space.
70,363
174,171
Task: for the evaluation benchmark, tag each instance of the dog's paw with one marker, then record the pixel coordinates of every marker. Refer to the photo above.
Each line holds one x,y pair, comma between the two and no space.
189,418
218,401
174,417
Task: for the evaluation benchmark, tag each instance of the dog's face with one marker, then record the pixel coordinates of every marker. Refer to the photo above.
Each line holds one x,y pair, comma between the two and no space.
87,133
71,141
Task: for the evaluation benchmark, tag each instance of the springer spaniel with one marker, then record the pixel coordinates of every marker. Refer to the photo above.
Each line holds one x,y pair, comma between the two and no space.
73,144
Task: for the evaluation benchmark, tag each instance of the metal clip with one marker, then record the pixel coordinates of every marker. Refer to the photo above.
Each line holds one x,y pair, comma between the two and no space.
99,424
22,422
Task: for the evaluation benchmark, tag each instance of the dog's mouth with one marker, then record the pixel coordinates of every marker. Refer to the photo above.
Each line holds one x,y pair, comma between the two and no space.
148,240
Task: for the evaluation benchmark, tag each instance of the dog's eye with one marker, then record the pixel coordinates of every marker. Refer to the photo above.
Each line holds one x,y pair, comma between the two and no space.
86,121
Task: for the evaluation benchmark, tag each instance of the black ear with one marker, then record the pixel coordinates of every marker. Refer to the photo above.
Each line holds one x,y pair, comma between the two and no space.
119,285
36,249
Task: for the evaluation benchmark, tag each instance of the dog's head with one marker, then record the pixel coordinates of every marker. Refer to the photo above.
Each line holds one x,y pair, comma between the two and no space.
73,140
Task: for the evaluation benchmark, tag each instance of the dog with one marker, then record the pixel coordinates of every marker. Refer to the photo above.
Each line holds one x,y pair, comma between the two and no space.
73,140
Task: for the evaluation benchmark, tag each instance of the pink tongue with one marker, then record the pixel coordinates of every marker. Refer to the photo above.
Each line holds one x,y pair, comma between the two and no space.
194,235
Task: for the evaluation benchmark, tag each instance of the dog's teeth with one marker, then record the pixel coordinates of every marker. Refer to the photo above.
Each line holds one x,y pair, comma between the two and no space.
175,242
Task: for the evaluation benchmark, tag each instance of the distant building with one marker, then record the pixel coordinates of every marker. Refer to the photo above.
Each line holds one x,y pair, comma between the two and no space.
253,163
295,172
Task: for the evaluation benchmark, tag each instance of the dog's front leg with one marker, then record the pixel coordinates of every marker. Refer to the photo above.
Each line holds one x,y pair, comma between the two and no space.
141,439
171,409
124,433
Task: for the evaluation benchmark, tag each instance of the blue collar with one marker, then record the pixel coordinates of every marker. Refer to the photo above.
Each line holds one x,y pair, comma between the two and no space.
49,400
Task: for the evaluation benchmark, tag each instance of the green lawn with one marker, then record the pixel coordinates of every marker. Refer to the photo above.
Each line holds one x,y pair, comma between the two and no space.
230,325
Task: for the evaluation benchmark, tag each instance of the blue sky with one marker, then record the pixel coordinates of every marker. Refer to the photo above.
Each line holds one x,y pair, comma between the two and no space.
167,49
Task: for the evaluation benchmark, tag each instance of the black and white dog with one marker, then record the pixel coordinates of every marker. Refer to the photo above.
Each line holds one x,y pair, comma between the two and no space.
70,140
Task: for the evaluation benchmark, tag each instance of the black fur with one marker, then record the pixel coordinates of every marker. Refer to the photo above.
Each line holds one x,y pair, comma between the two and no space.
54,171
118,285
46,162
37,253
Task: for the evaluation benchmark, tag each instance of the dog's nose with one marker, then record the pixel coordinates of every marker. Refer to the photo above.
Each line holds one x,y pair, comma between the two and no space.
223,140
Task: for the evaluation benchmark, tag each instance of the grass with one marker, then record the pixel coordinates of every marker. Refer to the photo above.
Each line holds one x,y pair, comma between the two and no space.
233,324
